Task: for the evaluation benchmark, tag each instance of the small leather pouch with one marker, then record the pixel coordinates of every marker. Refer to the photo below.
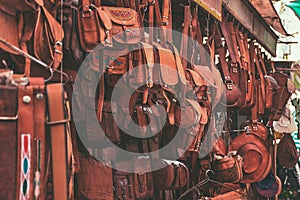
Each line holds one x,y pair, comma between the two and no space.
228,169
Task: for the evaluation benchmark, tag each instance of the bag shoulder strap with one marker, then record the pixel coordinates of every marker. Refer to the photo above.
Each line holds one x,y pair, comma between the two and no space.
25,140
57,126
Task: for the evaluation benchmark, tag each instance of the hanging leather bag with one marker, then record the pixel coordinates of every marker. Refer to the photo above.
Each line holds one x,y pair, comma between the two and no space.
228,169
104,24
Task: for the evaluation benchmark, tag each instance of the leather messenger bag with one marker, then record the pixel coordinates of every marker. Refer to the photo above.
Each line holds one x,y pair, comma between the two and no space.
104,24
35,31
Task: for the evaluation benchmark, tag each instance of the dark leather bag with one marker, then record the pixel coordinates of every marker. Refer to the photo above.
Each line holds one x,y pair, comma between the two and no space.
94,179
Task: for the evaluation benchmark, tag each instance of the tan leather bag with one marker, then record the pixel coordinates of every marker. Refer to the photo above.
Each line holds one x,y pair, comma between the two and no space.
105,25
228,169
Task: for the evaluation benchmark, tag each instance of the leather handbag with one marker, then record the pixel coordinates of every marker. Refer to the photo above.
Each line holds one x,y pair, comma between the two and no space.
171,175
228,169
105,25
94,179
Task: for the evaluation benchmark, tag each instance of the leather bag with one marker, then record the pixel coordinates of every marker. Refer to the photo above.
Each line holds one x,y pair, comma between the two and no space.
284,91
172,175
105,24
137,185
39,35
228,169
94,179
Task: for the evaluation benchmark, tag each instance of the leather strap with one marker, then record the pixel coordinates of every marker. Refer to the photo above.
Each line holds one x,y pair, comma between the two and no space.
25,140
184,37
39,102
228,39
57,126
245,66
26,28
254,109
167,19
224,65
149,55
251,84
261,75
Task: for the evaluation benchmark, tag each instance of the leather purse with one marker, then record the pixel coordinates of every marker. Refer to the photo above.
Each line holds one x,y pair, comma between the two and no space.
171,175
105,25
228,169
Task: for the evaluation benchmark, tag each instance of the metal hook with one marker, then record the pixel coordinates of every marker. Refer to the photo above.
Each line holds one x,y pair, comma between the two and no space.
51,75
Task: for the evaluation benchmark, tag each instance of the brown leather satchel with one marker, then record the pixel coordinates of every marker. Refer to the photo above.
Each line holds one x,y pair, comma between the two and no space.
171,175
94,179
228,169
104,25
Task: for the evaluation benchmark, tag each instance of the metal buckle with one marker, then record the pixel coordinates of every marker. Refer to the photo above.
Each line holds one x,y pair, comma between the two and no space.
9,118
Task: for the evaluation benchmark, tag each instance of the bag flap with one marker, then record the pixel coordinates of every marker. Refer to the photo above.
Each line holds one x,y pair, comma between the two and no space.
104,17
201,111
196,106
168,68
206,74
120,15
197,78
